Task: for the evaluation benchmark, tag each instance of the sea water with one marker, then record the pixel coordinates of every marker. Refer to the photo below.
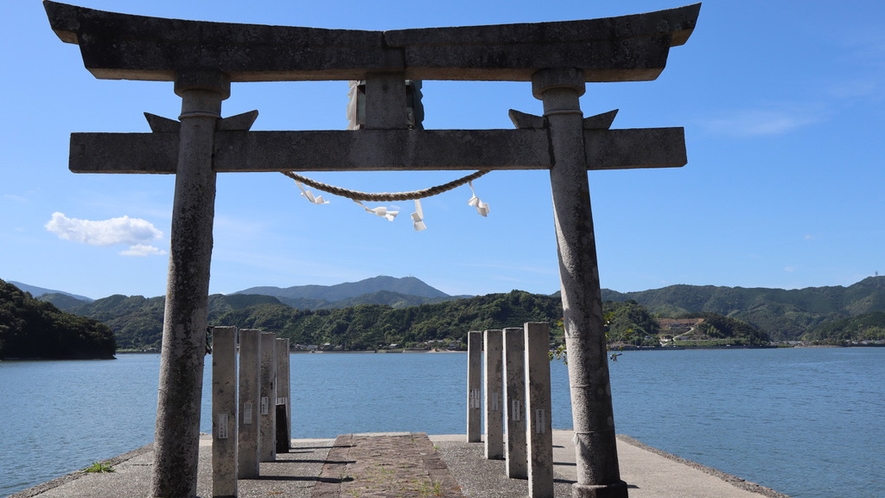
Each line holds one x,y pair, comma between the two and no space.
806,422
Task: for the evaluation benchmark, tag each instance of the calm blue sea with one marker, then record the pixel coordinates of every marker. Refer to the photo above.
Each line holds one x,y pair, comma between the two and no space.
805,422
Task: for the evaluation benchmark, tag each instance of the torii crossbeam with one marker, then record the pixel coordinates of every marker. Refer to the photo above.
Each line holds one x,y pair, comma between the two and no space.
203,58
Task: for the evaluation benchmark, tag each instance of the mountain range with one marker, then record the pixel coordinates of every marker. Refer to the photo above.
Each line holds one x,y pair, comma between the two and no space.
785,314
395,292
392,291
39,291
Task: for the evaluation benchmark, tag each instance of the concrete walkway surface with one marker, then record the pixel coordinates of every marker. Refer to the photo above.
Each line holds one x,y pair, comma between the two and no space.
408,465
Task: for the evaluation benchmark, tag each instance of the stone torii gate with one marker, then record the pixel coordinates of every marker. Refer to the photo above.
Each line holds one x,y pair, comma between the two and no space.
203,58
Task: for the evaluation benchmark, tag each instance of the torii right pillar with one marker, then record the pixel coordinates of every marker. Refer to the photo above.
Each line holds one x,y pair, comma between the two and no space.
592,416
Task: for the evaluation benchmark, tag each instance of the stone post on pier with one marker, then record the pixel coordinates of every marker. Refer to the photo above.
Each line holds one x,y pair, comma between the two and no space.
267,413
224,411
494,372
474,386
249,401
538,422
514,402
283,405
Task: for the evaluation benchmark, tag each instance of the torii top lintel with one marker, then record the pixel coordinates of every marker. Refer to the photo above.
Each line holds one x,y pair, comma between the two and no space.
121,46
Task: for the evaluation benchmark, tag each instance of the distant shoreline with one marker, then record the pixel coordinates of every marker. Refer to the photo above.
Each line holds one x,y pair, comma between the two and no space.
102,358
430,351
773,346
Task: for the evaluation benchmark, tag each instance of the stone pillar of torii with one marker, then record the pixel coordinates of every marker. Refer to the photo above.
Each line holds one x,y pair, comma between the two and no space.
203,58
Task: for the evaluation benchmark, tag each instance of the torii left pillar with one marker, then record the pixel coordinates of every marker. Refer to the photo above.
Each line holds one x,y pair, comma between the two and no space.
176,439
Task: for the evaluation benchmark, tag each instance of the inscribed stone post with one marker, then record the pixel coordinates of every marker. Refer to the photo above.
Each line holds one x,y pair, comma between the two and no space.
474,386
540,433
284,420
224,411
494,375
267,413
249,401
514,402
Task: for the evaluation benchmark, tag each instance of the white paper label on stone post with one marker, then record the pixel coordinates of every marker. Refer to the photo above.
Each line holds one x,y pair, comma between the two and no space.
281,401
475,399
265,409
540,421
496,401
222,426
247,413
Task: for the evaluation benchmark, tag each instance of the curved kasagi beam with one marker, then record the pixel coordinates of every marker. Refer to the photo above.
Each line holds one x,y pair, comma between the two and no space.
122,46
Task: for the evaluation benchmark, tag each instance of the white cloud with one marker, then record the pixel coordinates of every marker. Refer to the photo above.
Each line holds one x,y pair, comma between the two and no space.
15,197
760,122
142,250
134,232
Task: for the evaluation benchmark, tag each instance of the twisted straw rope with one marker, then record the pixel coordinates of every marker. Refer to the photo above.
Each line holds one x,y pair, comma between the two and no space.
385,196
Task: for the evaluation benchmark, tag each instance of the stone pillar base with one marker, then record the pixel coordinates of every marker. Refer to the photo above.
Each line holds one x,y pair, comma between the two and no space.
616,490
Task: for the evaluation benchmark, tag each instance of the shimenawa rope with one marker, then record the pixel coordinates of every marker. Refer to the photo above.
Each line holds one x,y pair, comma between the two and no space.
385,196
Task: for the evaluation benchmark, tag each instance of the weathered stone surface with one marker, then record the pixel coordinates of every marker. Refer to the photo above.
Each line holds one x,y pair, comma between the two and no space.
282,435
224,411
249,403
385,465
515,402
474,386
635,148
187,296
493,354
522,120
267,413
539,432
284,395
118,46
600,121
376,150
592,418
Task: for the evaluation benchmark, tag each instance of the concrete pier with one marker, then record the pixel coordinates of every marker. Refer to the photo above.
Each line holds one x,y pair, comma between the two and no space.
224,411
540,432
494,391
267,413
249,399
474,386
514,403
649,473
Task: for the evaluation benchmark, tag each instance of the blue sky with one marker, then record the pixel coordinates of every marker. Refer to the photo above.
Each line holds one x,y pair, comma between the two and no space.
782,104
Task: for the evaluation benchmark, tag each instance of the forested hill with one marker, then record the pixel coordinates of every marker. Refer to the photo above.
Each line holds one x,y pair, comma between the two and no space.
835,315
138,321
36,329
784,314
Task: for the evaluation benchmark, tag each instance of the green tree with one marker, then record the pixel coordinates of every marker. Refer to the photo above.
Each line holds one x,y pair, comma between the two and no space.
36,329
